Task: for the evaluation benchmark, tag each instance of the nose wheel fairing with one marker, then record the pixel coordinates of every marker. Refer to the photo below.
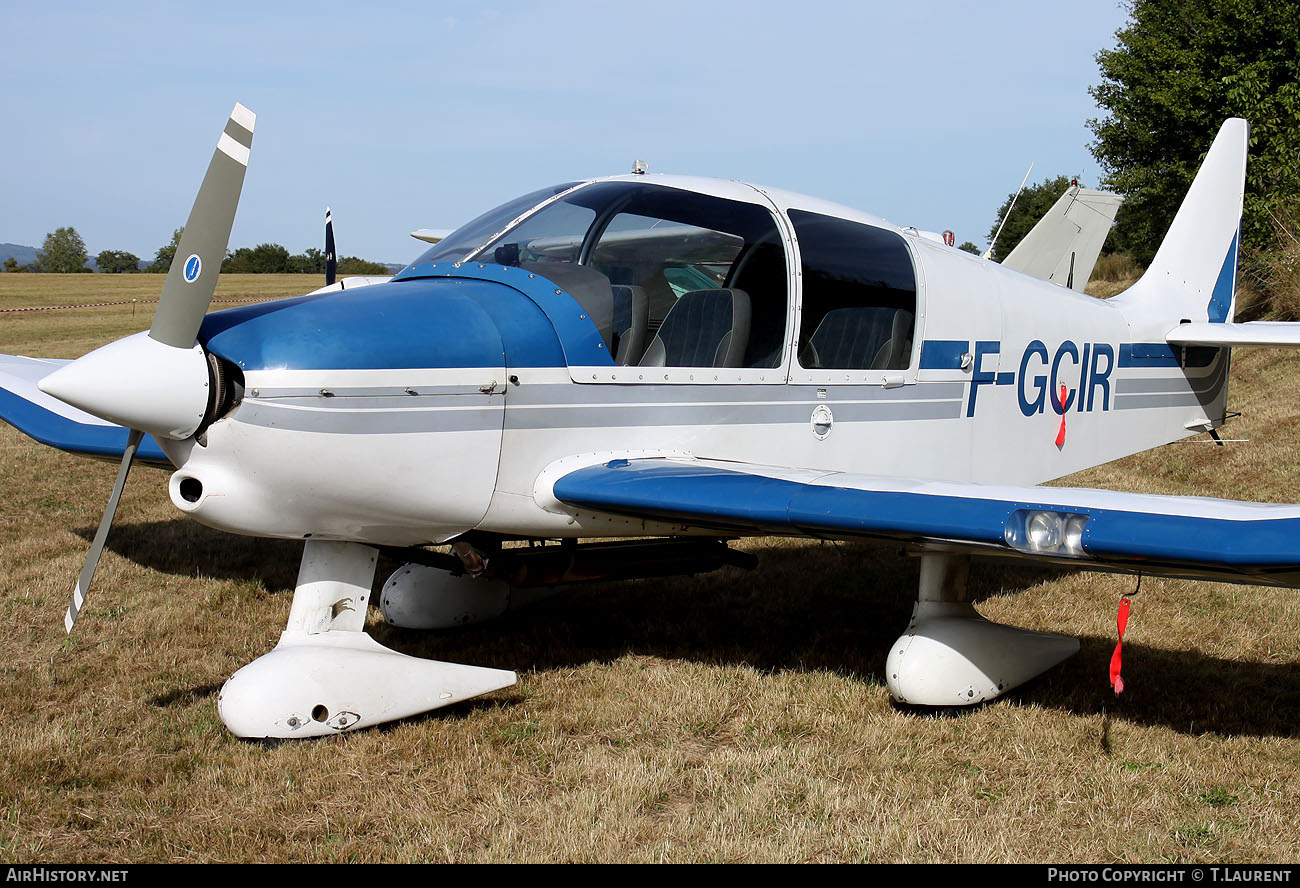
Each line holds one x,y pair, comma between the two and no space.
327,675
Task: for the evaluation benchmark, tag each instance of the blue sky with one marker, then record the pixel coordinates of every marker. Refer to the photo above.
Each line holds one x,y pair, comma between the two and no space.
423,115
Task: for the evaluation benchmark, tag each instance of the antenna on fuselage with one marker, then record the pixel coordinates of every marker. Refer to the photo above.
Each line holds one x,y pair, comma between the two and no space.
988,254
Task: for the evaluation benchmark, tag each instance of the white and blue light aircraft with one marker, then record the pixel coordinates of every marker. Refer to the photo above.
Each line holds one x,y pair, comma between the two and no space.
677,362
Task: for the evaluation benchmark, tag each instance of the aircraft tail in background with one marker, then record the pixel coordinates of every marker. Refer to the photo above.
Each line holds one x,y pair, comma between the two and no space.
1063,247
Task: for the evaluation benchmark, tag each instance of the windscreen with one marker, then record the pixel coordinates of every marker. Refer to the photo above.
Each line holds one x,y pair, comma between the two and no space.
470,236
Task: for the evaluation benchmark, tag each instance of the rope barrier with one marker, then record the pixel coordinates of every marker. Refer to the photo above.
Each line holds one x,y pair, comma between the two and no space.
129,302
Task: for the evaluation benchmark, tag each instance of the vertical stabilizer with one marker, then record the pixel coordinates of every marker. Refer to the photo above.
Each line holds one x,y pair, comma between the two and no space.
1194,274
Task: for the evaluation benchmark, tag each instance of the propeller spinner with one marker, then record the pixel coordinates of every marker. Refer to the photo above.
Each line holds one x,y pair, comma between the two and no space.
157,382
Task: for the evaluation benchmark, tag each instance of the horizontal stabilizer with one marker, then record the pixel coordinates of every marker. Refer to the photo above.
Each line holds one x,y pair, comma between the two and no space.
52,422
1283,334
1176,536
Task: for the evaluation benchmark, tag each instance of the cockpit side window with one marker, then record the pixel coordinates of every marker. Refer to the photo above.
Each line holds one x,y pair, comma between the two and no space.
671,278
859,295
710,271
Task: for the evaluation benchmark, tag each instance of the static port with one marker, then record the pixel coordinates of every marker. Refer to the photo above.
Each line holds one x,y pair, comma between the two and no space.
191,489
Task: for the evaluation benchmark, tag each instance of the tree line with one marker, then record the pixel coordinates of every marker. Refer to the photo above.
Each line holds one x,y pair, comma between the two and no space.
64,251
1177,71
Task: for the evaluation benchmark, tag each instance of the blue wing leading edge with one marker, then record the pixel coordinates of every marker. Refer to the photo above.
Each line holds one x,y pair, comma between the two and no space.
52,422
1176,536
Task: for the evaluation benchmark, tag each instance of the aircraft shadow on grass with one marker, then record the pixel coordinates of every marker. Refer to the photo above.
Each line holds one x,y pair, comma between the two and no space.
834,608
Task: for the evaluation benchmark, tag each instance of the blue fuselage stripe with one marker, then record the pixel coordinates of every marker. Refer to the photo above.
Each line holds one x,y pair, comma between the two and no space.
1149,354
943,354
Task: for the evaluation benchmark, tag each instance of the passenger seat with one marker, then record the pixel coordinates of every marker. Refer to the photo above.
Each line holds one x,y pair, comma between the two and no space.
631,323
705,328
861,338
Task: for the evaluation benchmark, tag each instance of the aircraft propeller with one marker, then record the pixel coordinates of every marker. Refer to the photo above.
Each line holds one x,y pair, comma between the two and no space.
331,257
159,382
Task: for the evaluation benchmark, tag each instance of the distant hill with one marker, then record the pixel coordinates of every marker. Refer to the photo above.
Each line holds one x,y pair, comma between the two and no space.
27,255
24,255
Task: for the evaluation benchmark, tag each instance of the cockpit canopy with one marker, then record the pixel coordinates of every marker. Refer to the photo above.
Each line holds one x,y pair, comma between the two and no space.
679,278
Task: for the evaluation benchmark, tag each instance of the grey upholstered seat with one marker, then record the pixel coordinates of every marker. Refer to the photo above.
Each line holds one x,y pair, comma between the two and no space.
861,338
588,287
705,328
631,323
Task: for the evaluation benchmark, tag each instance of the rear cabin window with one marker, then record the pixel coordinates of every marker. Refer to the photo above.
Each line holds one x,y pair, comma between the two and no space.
859,295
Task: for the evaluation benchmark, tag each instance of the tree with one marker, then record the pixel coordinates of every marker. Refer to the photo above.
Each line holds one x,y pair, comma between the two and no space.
117,261
309,261
1029,207
1179,69
261,259
63,251
275,259
353,265
163,258
11,265
969,247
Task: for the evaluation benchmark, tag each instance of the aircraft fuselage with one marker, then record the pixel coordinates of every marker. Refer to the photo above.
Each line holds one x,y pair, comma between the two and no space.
476,384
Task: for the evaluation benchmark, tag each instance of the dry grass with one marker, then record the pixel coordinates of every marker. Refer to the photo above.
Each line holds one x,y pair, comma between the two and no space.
731,717
1116,267
1271,274
68,333
1114,274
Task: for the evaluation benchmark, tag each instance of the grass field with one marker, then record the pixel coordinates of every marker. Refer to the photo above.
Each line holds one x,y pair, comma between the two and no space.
734,717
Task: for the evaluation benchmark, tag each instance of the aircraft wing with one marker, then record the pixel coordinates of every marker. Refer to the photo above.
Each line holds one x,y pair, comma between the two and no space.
1176,536
52,422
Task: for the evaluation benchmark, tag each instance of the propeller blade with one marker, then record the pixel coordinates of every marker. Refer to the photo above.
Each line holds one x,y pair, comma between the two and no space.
192,278
97,545
331,258
158,382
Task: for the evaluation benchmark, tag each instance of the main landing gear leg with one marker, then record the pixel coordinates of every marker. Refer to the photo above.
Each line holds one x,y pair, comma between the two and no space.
327,675
951,656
